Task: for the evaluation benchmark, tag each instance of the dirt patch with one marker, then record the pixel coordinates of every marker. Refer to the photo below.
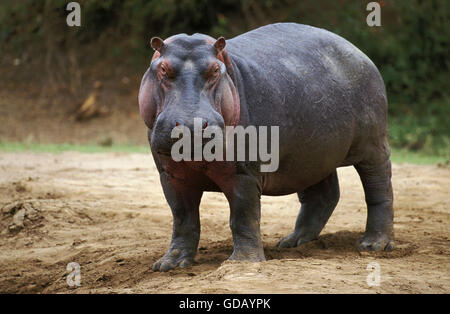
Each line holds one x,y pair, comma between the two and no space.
20,215
107,213
27,116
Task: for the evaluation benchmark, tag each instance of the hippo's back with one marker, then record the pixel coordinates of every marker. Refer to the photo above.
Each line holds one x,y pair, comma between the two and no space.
314,70
287,39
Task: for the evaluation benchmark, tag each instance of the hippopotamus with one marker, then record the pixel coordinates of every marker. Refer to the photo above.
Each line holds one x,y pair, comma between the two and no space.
326,97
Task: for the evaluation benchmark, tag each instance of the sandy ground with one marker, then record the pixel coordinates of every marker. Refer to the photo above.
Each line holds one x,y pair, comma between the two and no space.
107,213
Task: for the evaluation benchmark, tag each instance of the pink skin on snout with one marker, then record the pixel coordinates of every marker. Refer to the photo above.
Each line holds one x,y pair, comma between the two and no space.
147,108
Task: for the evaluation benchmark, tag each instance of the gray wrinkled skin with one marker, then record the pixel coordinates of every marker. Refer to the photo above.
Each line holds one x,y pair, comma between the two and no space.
330,103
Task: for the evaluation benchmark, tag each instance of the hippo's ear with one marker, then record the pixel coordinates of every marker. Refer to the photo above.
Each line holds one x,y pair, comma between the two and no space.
220,44
157,43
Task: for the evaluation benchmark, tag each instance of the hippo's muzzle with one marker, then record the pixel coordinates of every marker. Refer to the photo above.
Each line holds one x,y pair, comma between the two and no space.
163,139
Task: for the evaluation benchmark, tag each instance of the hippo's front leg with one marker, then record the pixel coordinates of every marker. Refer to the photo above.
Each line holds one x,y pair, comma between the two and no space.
184,202
245,206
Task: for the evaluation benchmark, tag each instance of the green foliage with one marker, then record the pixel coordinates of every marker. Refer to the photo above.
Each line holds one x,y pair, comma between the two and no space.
428,132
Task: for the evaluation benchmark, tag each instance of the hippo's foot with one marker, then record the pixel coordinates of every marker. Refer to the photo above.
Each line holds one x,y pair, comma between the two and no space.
174,258
375,242
295,239
248,255
318,202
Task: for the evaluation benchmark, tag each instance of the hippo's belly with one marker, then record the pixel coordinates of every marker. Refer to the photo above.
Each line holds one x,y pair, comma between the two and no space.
305,163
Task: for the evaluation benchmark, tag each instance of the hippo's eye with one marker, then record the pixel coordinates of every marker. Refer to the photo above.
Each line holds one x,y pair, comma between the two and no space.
163,70
213,72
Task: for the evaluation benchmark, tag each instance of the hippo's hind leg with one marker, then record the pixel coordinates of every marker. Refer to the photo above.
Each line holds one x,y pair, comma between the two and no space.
318,202
376,180
184,203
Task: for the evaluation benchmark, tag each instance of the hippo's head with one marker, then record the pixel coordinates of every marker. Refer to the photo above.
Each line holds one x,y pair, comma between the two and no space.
189,77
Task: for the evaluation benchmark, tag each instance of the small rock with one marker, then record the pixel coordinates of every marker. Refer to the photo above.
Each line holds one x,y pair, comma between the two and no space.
20,187
77,242
103,278
11,208
30,212
20,210
14,228
19,217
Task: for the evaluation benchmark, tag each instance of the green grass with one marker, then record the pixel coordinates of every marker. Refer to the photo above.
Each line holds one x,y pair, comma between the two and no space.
400,156
397,156
58,148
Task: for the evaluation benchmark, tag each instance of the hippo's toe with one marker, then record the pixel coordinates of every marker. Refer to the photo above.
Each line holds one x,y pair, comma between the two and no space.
173,258
295,239
371,242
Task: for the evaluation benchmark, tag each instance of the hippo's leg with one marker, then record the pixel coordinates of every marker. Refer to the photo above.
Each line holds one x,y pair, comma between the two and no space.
184,203
376,180
318,202
245,207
